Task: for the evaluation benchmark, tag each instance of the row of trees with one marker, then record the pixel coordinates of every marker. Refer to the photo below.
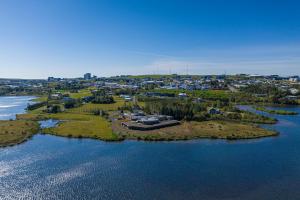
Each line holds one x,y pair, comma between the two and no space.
176,108
190,110
263,89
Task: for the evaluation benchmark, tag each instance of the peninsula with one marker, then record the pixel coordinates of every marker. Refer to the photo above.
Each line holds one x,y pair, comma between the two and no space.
148,107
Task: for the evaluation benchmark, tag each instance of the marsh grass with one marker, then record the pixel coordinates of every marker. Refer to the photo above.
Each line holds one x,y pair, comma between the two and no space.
193,130
82,126
276,112
17,131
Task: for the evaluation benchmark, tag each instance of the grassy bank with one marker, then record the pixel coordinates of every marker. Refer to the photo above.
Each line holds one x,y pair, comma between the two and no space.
15,132
194,130
82,126
77,122
277,112
77,125
80,122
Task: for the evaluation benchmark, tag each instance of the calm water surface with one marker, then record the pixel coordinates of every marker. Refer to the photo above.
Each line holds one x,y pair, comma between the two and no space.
10,106
49,167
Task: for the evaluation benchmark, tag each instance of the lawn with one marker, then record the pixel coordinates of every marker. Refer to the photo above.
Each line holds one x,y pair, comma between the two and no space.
91,107
80,94
40,99
82,126
205,94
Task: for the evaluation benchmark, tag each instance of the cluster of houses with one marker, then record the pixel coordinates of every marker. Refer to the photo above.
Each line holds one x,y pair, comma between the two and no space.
21,83
287,84
127,97
176,82
223,82
138,120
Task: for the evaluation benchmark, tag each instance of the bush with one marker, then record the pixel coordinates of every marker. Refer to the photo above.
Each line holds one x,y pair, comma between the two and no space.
178,109
54,109
101,97
71,103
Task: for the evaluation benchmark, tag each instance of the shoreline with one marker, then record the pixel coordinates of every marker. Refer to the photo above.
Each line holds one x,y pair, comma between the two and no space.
14,132
274,112
212,129
72,123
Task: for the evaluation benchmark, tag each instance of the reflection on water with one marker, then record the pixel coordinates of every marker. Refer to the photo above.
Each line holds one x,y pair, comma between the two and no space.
10,106
48,123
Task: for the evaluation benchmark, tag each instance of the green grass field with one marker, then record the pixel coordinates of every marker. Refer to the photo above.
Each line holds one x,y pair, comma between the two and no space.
80,94
77,122
91,107
40,99
205,94
15,132
82,126
75,125
228,130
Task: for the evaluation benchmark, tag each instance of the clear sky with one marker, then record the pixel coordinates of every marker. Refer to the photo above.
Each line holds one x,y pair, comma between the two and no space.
66,38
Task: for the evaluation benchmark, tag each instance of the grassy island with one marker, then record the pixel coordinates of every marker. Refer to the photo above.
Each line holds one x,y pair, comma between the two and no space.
276,112
15,132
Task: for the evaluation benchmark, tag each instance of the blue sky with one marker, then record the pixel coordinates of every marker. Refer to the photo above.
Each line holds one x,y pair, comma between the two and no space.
66,38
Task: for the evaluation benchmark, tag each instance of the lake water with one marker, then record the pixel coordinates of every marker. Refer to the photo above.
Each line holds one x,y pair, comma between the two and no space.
10,106
49,167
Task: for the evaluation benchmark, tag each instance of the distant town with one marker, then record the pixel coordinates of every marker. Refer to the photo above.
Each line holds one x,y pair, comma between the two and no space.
234,83
155,107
